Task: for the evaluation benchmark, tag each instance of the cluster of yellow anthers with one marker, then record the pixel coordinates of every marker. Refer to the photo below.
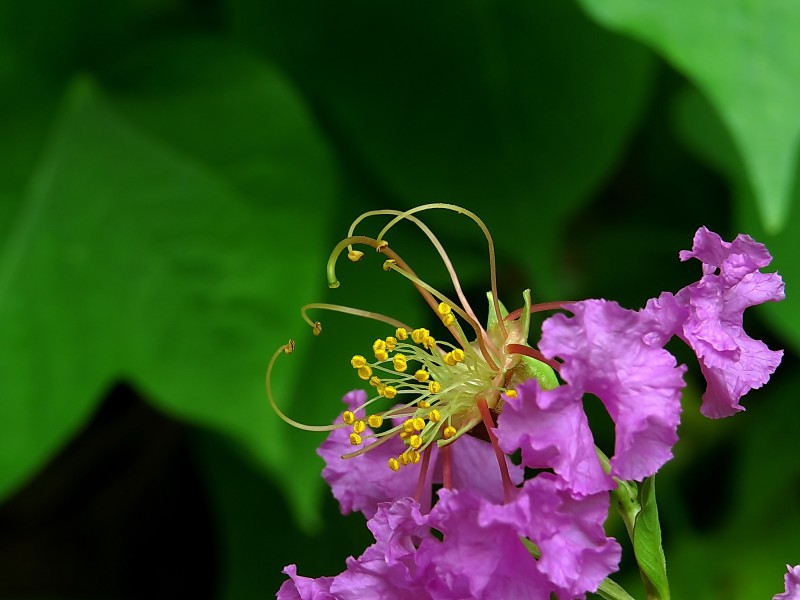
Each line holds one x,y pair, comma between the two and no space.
421,421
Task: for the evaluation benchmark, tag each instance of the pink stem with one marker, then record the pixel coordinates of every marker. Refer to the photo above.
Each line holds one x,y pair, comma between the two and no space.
447,472
423,472
542,306
508,487
533,353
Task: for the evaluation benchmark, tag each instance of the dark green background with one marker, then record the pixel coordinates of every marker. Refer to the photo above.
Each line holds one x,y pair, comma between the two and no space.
174,173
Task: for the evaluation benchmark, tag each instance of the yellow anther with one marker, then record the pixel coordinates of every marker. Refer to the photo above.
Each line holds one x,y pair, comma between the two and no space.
381,387
404,435
382,245
419,335
449,432
424,404
365,372
458,355
391,342
414,456
390,392
359,426
435,416
358,361
348,417
415,441
419,423
400,364
429,343
355,255
388,264
448,319
450,360
381,355
408,425
444,308
394,464
374,381
378,345
434,387
355,439
288,347
375,421
511,393
317,328
401,334
404,459
422,376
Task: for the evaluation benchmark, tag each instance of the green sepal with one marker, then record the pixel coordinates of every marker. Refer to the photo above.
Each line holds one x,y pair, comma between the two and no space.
492,328
530,368
647,544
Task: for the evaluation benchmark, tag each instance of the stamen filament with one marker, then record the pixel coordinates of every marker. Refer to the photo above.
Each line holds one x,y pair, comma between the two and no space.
447,472
423,473
533,353
448,264
288,348
482,343
537,308
367,448
333,282
481,224
508,487
356,312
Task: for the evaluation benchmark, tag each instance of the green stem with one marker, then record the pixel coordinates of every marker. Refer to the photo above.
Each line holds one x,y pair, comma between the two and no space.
626,496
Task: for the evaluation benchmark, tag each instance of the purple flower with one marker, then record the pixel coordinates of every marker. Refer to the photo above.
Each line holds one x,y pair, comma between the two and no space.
605,352
707,315
792,582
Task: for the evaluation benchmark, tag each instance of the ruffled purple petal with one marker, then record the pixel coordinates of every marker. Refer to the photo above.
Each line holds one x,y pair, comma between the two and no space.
708,314
362,482
388,569
608,351
792,583
576,554
304,588
551,429
477,561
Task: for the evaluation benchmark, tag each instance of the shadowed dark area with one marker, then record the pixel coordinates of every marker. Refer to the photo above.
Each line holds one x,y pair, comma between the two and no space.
120,513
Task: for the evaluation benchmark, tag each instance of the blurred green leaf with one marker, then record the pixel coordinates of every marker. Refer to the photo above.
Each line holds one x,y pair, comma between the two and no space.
745,557
131,259
746,57
706,136
516,110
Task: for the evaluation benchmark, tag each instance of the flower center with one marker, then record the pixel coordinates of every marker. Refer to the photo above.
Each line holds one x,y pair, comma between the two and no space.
442,380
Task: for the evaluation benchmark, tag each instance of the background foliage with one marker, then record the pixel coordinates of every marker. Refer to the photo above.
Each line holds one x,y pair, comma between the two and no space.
175,172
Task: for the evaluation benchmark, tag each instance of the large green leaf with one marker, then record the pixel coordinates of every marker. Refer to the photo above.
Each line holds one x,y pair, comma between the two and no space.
515,109
746,57
705,135
130,259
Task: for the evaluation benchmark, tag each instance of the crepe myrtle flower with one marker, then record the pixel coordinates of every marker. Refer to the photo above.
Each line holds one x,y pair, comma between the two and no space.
545,541
792,583
435,404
